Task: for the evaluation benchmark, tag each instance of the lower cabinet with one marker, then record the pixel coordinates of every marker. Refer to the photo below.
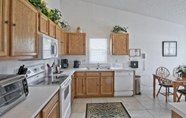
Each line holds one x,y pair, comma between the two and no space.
94,84
51,109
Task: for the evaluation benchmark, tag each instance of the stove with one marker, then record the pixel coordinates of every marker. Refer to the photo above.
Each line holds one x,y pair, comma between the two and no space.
37,76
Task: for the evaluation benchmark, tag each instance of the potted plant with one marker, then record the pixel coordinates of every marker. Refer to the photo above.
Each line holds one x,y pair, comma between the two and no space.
55,15
118,29
181,70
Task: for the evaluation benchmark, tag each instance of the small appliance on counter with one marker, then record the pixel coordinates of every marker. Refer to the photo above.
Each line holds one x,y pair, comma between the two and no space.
13,90
134,64
64,63
76,64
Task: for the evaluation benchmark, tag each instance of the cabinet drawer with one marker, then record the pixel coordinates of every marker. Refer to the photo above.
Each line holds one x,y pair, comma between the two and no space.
92,74
80,74
50,105
108,74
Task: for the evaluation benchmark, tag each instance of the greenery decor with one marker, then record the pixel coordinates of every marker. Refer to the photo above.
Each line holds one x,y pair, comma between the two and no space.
181,70
118,29
55,15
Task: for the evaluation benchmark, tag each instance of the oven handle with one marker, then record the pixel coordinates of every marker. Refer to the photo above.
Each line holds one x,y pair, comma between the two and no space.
66,84
10,81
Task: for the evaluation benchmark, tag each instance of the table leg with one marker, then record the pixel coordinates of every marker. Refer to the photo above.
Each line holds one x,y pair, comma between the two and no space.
154,86
174,91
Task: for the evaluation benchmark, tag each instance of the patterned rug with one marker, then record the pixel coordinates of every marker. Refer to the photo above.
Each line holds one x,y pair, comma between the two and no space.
106,110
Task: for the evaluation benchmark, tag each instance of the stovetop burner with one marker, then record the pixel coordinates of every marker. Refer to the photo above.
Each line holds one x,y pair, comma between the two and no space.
49,80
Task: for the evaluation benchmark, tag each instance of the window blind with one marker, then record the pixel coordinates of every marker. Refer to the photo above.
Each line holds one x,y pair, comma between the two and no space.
97,50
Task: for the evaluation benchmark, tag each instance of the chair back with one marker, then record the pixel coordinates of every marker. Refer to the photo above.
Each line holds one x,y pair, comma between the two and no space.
174,72
162,71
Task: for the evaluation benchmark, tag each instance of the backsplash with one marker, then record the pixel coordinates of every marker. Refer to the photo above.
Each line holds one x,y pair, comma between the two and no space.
9,67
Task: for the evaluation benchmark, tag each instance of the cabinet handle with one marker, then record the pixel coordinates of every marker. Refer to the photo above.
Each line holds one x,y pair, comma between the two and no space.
14,24
6,22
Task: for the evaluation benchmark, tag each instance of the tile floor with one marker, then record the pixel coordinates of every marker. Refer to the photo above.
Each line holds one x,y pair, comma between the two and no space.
139,106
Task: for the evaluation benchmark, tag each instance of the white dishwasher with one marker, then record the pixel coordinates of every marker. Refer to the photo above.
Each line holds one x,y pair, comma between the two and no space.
123,83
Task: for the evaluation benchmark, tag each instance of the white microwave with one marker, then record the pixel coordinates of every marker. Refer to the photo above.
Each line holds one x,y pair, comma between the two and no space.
48,47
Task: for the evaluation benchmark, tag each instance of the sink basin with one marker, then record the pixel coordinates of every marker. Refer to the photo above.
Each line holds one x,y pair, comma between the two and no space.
89,68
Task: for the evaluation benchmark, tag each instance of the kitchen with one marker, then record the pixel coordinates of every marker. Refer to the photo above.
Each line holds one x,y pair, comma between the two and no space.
150,32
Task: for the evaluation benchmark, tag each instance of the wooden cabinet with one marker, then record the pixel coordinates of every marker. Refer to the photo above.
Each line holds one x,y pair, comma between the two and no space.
72,89
94,84
120,44
107,83
63,43
80,86
58,37
51,109
52,29
4,27
43,24
24,30
76,43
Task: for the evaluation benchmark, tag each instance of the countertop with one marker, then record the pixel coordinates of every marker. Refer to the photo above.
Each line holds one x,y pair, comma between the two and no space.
33,104
179,108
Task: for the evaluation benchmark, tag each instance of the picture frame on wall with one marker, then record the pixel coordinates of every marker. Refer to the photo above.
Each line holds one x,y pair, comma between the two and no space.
169,48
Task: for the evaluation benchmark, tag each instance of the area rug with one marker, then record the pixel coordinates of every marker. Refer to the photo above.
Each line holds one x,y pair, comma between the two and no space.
106,110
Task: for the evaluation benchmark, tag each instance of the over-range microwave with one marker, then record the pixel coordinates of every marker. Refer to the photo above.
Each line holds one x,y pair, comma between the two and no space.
48,47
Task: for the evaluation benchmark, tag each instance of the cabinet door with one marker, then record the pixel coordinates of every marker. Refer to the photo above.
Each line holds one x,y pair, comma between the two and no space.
58,37
24,28
80,86
92,86
4,27
43,23
107,85
120,44
76,43
63,43
54,113
52,29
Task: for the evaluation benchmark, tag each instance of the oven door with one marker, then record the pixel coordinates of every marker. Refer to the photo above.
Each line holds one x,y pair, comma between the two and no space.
65,99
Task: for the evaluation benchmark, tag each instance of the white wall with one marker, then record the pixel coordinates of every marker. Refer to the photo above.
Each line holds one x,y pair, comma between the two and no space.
145,33
53,4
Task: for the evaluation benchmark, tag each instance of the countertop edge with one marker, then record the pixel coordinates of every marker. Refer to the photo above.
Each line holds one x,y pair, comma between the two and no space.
174,107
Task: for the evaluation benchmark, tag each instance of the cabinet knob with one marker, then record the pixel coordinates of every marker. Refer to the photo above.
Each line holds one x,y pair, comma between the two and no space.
14,24
6,22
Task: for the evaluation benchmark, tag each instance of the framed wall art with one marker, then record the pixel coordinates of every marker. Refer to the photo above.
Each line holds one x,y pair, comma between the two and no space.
169,48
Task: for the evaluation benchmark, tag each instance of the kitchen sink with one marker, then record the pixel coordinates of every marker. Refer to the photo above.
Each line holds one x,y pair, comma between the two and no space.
93,68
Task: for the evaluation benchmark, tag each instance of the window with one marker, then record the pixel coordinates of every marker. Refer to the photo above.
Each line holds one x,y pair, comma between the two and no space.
97,50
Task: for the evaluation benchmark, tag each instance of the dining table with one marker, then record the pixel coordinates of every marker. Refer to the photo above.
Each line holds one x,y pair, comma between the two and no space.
175,81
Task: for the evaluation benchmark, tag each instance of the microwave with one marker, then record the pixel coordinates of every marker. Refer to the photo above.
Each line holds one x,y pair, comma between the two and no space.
48,47
13,90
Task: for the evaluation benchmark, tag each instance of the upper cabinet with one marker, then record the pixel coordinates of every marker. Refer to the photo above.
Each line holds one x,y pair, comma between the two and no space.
120,44
4,27
63,42
43,24
52,29
58,37
76,43
24,30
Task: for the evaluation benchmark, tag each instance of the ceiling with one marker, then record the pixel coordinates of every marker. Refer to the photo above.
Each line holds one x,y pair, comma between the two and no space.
168,10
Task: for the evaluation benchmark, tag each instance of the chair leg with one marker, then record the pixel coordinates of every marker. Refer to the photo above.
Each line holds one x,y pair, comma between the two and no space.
179,97
159,90
166,94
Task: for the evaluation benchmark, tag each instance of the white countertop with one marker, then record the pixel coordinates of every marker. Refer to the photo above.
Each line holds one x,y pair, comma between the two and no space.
179,108
33,104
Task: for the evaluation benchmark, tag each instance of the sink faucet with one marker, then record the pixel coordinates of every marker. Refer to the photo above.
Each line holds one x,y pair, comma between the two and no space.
98,65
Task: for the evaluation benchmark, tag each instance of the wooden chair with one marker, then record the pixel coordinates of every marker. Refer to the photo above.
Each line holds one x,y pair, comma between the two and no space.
164,72
182,91
174,72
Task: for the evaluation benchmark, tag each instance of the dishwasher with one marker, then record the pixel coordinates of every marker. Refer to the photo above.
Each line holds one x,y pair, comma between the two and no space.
123,83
